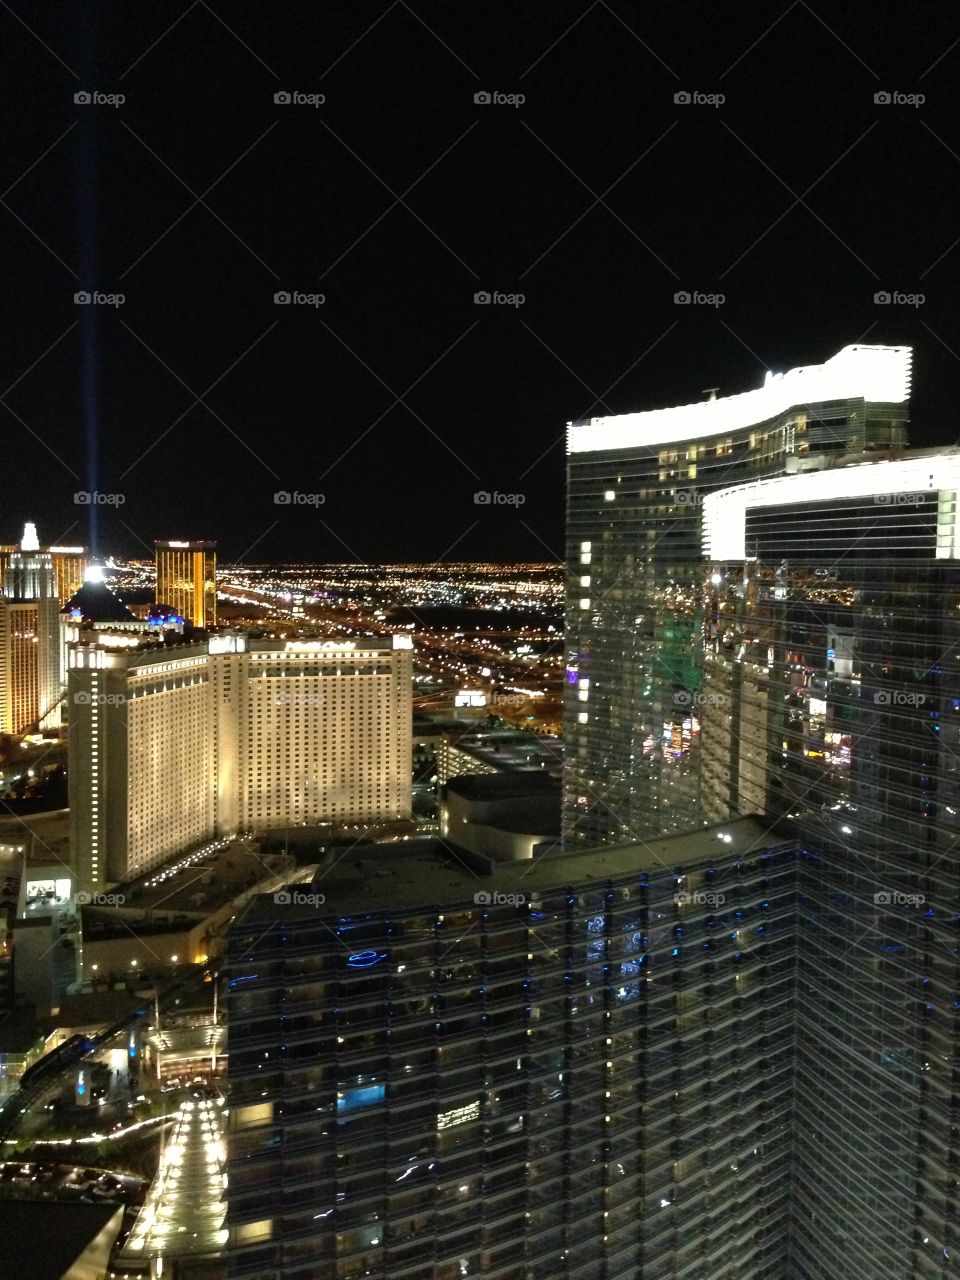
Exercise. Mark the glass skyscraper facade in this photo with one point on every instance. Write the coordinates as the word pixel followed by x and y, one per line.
pixel 728 1053
pixel 187 580
pixel 587 1073
pixel 832 693
pixel 634 617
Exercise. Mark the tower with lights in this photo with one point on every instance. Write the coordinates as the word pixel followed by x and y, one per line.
pixel 187 580
pixel 636 484
pixel 29 640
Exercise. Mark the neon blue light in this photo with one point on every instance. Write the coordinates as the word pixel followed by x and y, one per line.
pixel 368 1096
pixel 364 959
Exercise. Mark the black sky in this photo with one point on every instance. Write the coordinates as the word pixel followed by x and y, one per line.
pixel 600 197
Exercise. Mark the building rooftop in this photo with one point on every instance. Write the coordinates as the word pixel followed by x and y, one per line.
pixel 431 873
pixel 504 786
pixel 97 1008
pixel 923 473
pixel 45 837
pixel 198 881
pixel 19 1031
pixel 44 1241
pixel 875 374
pixel 512 750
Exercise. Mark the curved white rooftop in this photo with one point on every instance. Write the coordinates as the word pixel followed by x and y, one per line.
pixel 725 511
pixel 877 374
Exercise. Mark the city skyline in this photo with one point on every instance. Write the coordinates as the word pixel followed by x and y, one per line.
pixel 694 160
pixel 480 671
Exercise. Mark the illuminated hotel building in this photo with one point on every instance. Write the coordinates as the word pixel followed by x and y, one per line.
pixel 832 694
pixel 69 567
pixel 172 745
pixel 587 1075
pixel 187 580
pixel 634 613
pixel 29 640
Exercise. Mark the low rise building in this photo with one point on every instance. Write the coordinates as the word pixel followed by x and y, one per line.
pixel 502 815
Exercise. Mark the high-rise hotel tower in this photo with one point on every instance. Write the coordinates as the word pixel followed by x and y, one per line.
pixel 187 580
pixel 29 639
pixel 170 745
pixel 634 607
pixel 448 1068
pixel 832 694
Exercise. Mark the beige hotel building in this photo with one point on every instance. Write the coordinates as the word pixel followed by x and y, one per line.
pixel 172 746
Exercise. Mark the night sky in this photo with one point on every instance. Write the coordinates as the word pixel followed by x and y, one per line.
pixel 597 198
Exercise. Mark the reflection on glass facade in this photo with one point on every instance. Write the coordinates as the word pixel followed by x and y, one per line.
pixel 187 580
pixel 593 1081
pixel 832 694
pixel 634 620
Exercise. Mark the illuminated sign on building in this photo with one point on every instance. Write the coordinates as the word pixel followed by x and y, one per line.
pixel 302 646
pixel 470 698
pixel 460 1115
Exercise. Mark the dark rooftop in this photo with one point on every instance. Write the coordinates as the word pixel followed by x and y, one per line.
pixel 428 872
pixel 43 1241
pixel 19 1031
pixel 100 1007
pixel 503 786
